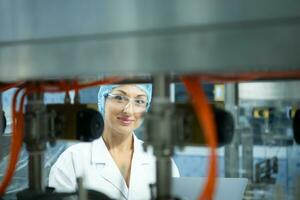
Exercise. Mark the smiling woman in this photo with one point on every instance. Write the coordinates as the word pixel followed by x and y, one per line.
pixel 125 106
pixel 114 164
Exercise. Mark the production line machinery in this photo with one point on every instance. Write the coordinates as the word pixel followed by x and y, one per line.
pixel 47 123
pixel 61 121
pixel 233 42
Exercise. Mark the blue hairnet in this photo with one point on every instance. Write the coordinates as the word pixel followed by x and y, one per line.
pixel 105 89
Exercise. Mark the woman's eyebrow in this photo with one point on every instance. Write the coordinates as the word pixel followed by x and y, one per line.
pixel 139 95
pixel 121 91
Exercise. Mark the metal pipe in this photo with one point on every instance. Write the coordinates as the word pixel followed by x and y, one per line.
pixel 163 174
pixel 82 192
pixel 1 118
pixel 35 139
pixel 36 171
pixel 232 149
pixel 163 144
pixel 247 153
pixel 161 86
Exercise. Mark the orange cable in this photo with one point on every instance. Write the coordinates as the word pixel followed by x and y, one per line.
pixel 6 86
pixel 76 87
pixel 63 85
pixel 15 146
pixel 205 115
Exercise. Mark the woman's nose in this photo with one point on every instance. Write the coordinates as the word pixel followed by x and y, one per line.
pixel 129 107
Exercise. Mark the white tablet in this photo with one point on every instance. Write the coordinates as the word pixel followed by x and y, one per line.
pixel 189 188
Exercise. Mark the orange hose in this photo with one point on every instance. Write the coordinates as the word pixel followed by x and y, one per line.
pixel 4 87
pixel 76 87
pixel 16 141
pixel 205 115
pixel 62 86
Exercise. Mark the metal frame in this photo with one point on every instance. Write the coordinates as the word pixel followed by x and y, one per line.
pixel 66 39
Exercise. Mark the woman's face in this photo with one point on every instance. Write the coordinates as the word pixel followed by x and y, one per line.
pixel 124 118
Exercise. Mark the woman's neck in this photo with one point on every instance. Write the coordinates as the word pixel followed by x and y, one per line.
pixel 117 141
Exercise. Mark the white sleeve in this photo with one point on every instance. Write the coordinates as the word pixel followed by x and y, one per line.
pixel 175 171
pixel 62 174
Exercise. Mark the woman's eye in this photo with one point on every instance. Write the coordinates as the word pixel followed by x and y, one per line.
pixel 119 98
pixel 140 101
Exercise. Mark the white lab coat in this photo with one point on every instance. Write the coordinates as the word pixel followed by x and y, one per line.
pixel 93 162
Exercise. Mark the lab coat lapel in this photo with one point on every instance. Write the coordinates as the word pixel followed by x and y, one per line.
pixel 140 157
pixel 140 172
pixel 110 172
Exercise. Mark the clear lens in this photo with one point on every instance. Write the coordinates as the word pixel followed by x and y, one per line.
pixel 139 105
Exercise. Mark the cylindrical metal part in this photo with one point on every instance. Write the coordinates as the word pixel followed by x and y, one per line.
pixel 232 149
pixel 35 138
pixel 82 192
pixel 162 110
pixel 161 86
pixel 231 96
pixel 1 117
pixel 36 171
pixel 163 172
pixel 161 132
pixel 247 153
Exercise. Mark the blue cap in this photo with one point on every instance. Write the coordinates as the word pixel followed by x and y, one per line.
pixel 106 89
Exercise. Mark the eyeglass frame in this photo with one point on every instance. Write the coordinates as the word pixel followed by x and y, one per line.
pixel 129 100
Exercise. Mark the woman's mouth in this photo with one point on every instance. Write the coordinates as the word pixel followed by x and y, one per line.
pixel 125 121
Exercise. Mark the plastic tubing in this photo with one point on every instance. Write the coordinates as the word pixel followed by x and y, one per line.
pixel 206 118
pixel 4 87
pixel 16 141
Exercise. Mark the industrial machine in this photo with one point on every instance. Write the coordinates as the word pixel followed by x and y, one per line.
pixel 251 48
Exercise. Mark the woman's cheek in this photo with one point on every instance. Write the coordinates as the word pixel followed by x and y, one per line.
pixel 138 123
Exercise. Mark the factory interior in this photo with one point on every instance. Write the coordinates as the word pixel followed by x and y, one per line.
pixel 225 95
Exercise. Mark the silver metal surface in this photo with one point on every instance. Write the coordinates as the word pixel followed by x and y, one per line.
pixel 164 148
pixel 36 175
pixel 35 138
pixel 55 39
pixel 163 177
pixel 247 152
pixel 82 192
pixel 1 118
pixel 231 156
pixel 160 134
pixel 271 90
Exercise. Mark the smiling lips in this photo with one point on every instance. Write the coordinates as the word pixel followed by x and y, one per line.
pixel 125 120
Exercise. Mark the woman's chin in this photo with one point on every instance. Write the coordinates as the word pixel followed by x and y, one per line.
pixel 124 129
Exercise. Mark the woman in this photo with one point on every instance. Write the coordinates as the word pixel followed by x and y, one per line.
pixel 114 164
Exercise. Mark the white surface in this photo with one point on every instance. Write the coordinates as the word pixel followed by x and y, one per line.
pixel 271 90
pixel 258 151
pixel 189 188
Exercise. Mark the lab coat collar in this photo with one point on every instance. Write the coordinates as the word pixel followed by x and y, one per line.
pixel 110 172
pixel 139 154
pixel 100 153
